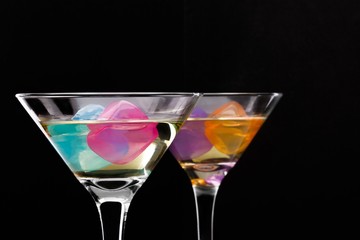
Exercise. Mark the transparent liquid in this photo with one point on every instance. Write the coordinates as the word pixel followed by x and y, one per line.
pixel 133 148
pixel 210 148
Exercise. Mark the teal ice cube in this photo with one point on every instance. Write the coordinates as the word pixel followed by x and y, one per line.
pixel 67 129
pixel 70 141
pixel 90 161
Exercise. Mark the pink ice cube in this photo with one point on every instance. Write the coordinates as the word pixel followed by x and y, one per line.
pixel 121 142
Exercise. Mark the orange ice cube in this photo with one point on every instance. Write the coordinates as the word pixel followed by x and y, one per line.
pixel 233 130
pixel 230 109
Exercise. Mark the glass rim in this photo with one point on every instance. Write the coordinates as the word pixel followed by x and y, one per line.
pixel 102 94
pixel 214 94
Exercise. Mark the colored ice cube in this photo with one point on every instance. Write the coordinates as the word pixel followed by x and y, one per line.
pixel 110 144
pixel 191 141
pixel 227 136
pixel 90 161
pixel 229 109
pixel 122 110
pixel 121 142
pixel 70 141
pixel 89 112
pixel 198 113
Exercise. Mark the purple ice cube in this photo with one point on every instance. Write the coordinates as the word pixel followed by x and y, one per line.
pixel 191 141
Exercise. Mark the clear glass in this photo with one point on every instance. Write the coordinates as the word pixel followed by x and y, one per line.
pixel 213 139
pixel 111 142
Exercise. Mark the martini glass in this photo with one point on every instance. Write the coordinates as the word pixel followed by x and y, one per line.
pixel 111 142
pixel 213 139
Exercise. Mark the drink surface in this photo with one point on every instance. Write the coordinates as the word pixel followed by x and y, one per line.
pixel 110 149
pixel 207 149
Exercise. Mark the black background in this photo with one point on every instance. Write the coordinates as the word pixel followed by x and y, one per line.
pixel 300 177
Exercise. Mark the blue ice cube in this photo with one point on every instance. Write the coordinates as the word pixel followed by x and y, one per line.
pixel 89 112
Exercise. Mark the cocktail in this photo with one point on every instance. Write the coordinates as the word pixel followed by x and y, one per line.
pixel 213 139
pixel 110 141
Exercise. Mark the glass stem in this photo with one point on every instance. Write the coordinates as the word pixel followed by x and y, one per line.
pixel 113 219
pixel 205 206
pixel 113 207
